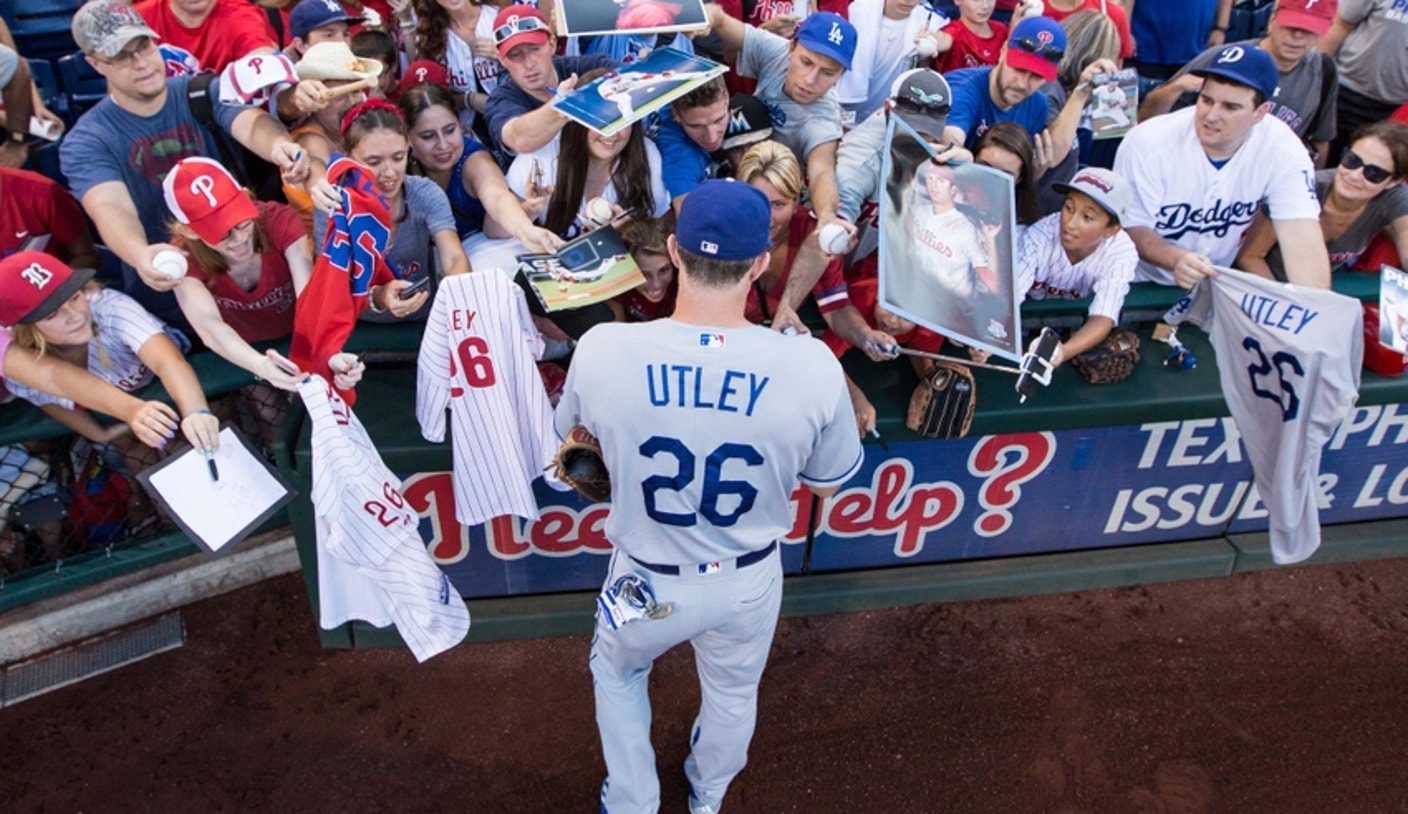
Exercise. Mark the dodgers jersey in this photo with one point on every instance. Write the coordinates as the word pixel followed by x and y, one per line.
pixel 478 356
pixel 372 562
pixel 1182 196
pixel 1289 359
pixel 706 432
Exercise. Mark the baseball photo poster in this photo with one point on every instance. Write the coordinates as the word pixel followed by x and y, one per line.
pixel 947 245
pixel 1114 103
pixel 1393 309
pixel 593 268
pixel 611 103
pixel 629 16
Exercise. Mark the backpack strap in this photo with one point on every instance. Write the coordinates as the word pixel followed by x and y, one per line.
pixel 202 107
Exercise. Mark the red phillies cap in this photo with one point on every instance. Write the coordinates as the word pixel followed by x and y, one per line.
pixel 202 194
pixel 33 285
pixel 1314 16
pixel 423 70
pixel 519 24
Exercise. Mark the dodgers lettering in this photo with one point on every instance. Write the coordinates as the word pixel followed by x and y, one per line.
pixel 1274 313
pixel 1177 220
pixel 696 387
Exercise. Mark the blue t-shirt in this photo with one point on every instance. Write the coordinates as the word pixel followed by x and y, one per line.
pixel 684 164
pixel 973 110
pixel 1172 33
pixel 469 212
pixel 508 101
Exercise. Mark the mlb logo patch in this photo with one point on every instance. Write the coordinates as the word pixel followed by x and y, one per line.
pixel 711 340
pixel 706 568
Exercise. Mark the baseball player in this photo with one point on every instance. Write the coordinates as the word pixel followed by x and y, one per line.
pixel 1200 175
pixel 1289 360
pixel 706 425
pixel 1079 251
pixel 1110 102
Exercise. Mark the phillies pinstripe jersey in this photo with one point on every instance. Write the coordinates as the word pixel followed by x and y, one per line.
pixel 479 357
pixel 1045 272
pixel 372 562
pixel 1289 361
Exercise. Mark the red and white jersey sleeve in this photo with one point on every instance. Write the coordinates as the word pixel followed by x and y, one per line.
pixel 478 357
pixel 372 562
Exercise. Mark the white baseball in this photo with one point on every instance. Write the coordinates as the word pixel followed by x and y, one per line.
pixel 833 238
pixel 170 264
pixel 599 210
pixel 926 47
pixel 1035 7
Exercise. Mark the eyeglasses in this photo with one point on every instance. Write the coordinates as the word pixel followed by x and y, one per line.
pixel 518 25
pixel 144 48
pixel 1050 53
pixel 1373 173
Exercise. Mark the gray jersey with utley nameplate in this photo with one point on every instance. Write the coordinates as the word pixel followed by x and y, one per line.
pixel 1288 357
pixel 706 432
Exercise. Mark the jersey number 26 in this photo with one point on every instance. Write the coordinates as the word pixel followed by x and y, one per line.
pixel 715 485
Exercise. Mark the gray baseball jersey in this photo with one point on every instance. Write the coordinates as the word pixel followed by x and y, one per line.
pixel 1289 360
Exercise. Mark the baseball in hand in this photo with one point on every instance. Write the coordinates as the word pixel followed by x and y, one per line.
pixel 926 47
pixel 599 210
pixel 833 238
pixel 170 264
pixel 1035 7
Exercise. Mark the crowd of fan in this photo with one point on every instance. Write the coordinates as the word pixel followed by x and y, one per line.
pixel 445 102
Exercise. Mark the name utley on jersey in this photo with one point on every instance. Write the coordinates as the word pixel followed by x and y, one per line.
pixel 706 432
pixel 1289 362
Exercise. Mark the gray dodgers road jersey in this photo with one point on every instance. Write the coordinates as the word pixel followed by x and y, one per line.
pixel 1289 361
pixel 705 432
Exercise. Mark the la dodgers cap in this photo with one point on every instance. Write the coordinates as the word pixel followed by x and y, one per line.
pixel 1103 187
pixel 1037 44
pixel 1314 16
pixel 1246 65
pixel 311 14
pixel 202 194
pixel 748 121
pixel 726 219
pixel 518 24
pixel 34 285
pixel 106 26
pixel 922 99
pixel 830 35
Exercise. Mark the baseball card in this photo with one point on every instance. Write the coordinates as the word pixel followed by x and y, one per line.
pixel 593 268
pixel 613 102
pixel 1393 309
pixel 590 17
pixel 947 245
pixel 1114 103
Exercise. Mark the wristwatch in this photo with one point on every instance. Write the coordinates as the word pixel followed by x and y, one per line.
pixel 18 138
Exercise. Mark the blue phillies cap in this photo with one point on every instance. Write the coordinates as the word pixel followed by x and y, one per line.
pixel 1245 65
pixel 726 219
pixel 311 14
pixel 1037 45
pixel 830 35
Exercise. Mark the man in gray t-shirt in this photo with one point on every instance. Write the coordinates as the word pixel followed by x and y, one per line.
pixel 1309 86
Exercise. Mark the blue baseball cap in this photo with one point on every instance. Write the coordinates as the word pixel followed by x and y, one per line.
pixel 830 35
pixel 726 219
pixel 1037 45
pixel 1245 65
pixel 311 14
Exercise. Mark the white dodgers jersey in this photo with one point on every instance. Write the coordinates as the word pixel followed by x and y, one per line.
pixel 1289 361
pixel 479 357
pixel 372 562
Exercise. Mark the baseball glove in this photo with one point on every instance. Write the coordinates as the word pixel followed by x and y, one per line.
pixel 578 464
pixel 1113 360
pixel 942 404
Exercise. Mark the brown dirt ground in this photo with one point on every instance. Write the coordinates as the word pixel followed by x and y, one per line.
pixel 1279 692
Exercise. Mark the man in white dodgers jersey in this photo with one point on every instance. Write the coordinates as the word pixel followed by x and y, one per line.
pixel 706 423
pixel 1201 173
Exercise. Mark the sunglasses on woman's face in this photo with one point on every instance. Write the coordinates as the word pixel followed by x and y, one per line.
pixel 1373 173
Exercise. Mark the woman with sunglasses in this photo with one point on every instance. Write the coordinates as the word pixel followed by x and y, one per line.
pixel 1361 198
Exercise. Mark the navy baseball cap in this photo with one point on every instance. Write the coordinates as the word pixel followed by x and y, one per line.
pixel 1245 65
pixel 726 219
pixel 311 14
pixel 1037 45
pixel 830 35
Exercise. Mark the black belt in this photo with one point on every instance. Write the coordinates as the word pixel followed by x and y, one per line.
pixel 742 562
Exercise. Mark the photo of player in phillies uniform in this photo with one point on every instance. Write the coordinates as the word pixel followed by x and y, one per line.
pixel 946 246
pixel 625 16
pixel 629 93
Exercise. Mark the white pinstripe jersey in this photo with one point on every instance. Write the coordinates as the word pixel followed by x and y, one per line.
pixel 1289 359
pixel 949 247
pixel 372 562
pixel 479 357
pixel 1045 272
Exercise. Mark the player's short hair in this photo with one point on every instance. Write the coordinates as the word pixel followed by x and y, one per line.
pixel 774 163
pixel 709 93
pixel 1394 136
pixel 1090 35
pixel 1258 98
pixel 713 272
